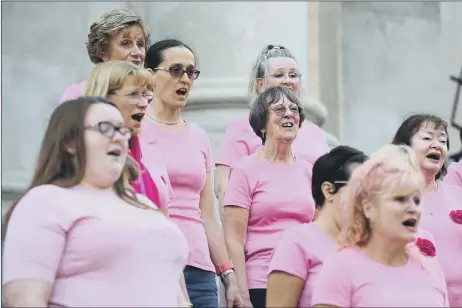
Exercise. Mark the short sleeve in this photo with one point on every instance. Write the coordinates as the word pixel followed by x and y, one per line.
pixel 209 162
pixel 35 238
pixel 232 148
pixel 454 175
pixel 290 256
pixel 72 92
pixel 238 189
pixel 333 286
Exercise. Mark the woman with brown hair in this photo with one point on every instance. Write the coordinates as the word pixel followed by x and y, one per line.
pixel 119 34
pixel 78 237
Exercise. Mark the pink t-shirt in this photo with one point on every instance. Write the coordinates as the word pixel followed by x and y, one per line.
pixel 74 91
pixel 96 249
pixel 188 157
pixel 301 252
pixel 436 219
pixel 240 140
pixel 454 175
pixel 349 278
pixel 277 197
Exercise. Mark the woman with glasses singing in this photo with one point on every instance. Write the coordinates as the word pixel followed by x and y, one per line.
pixel 274 66
pixel 378 264
pixel 268 192
pixel 119 34
pixel 126 85
pixel 187 153
pixel 79 237
pixel 299 256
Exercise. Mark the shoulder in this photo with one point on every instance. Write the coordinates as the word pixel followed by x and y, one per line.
pixel 246 162
pixel 73 91
pixel 197 131
pixel 298 233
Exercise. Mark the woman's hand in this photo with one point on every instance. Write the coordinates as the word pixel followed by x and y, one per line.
pixel 233 297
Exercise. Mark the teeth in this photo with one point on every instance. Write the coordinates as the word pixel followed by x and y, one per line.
pixel 287 125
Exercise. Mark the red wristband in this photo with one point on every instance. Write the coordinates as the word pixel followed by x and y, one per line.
pixel 220 269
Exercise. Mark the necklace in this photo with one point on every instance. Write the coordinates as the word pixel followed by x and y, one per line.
pixel 162 122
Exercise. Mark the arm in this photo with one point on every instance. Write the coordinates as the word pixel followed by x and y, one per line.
pixel 29 269
pixel 221 181
pixel 284 289
pixel 235 222
pixel 183 297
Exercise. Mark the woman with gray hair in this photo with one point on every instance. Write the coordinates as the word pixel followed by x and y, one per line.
pixel 119 34
pixel 268 192
pixel 274 66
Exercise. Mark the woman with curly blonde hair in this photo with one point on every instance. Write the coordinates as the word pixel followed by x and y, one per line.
pixel 119 34
pixel 378 263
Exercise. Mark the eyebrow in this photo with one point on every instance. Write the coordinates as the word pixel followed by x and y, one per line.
pixel 442 133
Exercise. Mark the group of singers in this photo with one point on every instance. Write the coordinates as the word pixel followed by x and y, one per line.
pixel 120 211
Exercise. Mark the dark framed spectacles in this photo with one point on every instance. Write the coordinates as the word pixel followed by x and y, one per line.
pixel 178 72
pixel 281 110
pixel 109 130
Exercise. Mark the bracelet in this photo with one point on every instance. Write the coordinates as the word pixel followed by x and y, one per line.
pixel 225 274
pixel 220 269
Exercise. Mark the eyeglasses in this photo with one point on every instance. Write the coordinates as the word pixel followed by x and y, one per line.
pixel 291 75
pixel 108 129
pixel 178 72
pixel 281 110
pixel 134 95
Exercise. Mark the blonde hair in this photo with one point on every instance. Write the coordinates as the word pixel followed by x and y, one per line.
pixel 108 77
pixel 391 168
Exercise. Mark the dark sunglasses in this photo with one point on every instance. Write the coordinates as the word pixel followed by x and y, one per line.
pixel 108 129
pixel 178 72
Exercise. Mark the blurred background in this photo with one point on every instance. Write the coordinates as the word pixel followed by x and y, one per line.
pixel 366 65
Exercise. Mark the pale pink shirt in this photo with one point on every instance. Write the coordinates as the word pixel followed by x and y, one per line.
pixel 188 157
pixel 436 219
pixel 350 278
pixel 454 175
pixel 278 197
pixel 301 252
pixel 96 249
pixel 240 140
pixel 74 91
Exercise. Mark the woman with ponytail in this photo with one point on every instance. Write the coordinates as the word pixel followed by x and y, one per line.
pixel 378 263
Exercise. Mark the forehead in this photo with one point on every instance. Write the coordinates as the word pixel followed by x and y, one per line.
pixel 102 112
pixel 432 128
pixel 281 63
pixel 283 101
pixel 178 55
pixel 133 32
pixel 134 83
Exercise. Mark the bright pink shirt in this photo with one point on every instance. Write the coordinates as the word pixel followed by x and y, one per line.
pixel 350 278
pixel 448 234
pixel 454 175
pixel 240 140
pixel 96 249
pixel 74 91
pixel 301 252
pixel 188 157
pixel 277 197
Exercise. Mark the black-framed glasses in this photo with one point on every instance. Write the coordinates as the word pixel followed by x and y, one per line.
pixel 178 72
pixel 108 129
pixel 281 110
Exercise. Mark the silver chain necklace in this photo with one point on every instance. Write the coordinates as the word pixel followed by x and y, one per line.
pixel 162 122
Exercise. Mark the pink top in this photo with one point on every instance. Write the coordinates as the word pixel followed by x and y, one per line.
pixel 160 194
pixel 188 157
pixel 96 250
pixel 349 278
pixel 277 197
pixel 436 218
pixel 240 140
pixel 454 175
pixel 301 252
pixel 74 91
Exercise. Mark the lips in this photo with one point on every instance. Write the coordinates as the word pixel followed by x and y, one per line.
pixel 288 125
pixel 138 116
pixel 410 224
pixel 434 156
pixel 182 91
pixel 114 152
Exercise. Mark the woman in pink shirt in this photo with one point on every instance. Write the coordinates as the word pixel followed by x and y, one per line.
pixel 185 149
pixel 379 264
pixel 299 256
pixel 126 85
pixel 454 175
pixel 428 137
pixel 268 191
pixel 78 237
pixel 119 34
pixel 274 66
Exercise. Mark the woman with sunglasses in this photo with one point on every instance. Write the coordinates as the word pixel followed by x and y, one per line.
pixel 269 191
pixel 187 154
pixel 79 237
pixel 298 258
pixel 274 66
